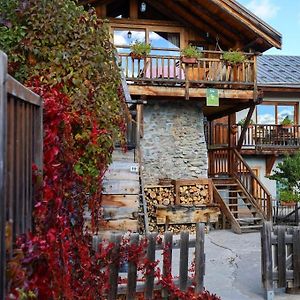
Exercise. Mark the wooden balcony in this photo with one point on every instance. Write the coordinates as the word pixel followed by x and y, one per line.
pixel 259 138
pixel 167 75
pixel 270 138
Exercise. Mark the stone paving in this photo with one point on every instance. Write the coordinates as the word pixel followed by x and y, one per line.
pixel 233 267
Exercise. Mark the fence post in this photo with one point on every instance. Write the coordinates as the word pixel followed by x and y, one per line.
pixel 114 267
pixel 199 257
pixel 267 265
pixel 3 103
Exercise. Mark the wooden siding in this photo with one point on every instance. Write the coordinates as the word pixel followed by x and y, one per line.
pixel 20 147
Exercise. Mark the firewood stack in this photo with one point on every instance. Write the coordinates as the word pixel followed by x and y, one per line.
pixel 158 196
pixel 196 195
pixel 179 206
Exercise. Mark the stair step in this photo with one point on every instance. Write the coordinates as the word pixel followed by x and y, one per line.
pixel 225 184
pixel 248 220
pixel 236 204
pixel 250 228
pixel 240 197
pixel 231 191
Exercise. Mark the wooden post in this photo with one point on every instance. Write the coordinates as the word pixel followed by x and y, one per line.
pixel 184 257
pixel 199 257
pixel 281 257
pixel 3 103
pixel 167 260
pixel 267 263
pixel 132 271
pixel 245 128
pixel 114 268
pixel 296 258
pixel 149 284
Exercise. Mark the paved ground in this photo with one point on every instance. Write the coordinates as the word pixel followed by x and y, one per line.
pixel 233 266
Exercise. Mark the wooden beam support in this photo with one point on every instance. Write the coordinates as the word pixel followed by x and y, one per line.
pixel 133 9
pixel 270 161
pixel 166 91
pixel 245 127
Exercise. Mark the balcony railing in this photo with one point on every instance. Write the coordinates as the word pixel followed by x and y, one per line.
pixel 211 70
pixel 258 136
pixel 271 136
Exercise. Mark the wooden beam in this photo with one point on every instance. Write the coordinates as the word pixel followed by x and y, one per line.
pixel 166 91
pixel 133 9
pixel 270 161
pixel 213 20
pixel 185 15
pixel 245 127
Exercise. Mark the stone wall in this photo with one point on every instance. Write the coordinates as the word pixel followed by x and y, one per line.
pixel 173 145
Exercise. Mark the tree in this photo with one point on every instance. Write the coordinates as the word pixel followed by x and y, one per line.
pixel 288 175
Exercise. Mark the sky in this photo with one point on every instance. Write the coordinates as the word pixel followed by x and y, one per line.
pixel 282 15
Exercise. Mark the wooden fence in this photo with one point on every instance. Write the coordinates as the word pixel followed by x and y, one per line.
pixel 20 147
pixel 147 287
pixel 280 249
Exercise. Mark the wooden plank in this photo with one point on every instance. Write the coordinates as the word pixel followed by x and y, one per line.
pixel 114 267
pixel 181 215
pixel 3 103
pixel 149 284
pixel 121 225
pixel 199 257
pixel 232 94
pixel 113 187
pixel 167 258
pixel 281 257
pixel 121 200
pixel 115 213
pixel 18 90
pixel 184 260
pixel 267 263
pixel 120 175
pixel 296 258
pixel 132 270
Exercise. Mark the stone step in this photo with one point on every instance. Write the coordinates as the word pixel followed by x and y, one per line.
pixel 249 220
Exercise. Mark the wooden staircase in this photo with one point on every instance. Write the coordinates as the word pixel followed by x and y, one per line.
pixel 236 205
pixel 243 199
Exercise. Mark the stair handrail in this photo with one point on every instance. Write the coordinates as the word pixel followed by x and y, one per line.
pixel 267 210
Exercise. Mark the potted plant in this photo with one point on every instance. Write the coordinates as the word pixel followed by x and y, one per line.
pixel 190 54
pixel 233 58
pixel 139 50
pixel 286 122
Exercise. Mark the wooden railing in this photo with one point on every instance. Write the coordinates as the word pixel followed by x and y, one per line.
pixel 258 136
pixel 21 140
pixel 230 162
pixel 209 70
pixel 242 171
pixel 276 136
pixel 133 283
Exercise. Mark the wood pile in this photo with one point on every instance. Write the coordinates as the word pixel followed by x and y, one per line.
pixel 179 206
pixel 158 196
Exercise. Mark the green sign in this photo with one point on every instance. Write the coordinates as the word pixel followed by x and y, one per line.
pixel 212 97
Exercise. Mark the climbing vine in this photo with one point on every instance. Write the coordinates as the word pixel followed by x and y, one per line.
pixel 64 54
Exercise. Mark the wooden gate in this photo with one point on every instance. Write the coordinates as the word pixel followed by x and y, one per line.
pixel 280 249
pixel 147 287
pixel 21 140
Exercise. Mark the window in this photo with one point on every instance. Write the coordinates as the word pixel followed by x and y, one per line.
pixel 274 113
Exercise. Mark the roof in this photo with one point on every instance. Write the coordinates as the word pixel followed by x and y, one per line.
pixel 226 20
pixel 278 71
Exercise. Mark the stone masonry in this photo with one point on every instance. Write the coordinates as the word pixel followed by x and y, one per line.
pixel 173 145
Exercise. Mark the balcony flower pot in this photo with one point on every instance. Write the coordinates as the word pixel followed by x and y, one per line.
pixel 287 203
pixel 190 55
pixel 286 123
pixel 139 50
